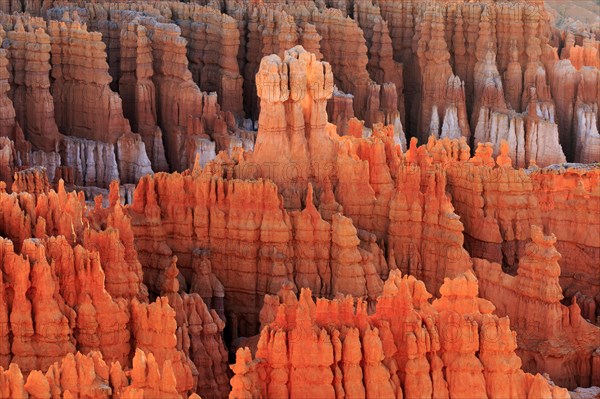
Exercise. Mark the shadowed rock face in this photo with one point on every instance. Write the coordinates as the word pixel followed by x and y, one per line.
pixel 365 198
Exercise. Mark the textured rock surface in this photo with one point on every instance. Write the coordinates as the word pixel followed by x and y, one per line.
pixel 139 93
pixel 86 284
pixel 296 166
pixel 551 336
pixel 498 206
pixel 213 45
pixel 292 141
pixel 398 351
pixel 7 161
pixel 250 253
pixel 404 55
pixel 93 163
pixel 154 328
pixel 33 181
pixel 30 57
pixel 10 131
pixel 436 74
pixel 90 376
pixel 199 334
pixel 84 104
pixel 179 100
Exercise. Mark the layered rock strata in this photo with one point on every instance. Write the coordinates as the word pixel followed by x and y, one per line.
pixel 498 206
pixel 551 336
pixel 383 355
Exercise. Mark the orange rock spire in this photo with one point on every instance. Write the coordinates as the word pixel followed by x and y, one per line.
pixel 397 351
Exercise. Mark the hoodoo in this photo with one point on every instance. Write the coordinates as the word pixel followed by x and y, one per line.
pixel 299 199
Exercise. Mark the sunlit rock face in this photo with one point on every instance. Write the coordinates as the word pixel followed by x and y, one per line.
pixel 368 198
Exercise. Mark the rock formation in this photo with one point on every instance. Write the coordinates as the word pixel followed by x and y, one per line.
pixel 551 336
pixel 397 351
pixel 154 328
pixel 33 181
pixel 436 76
pixel 213 44
pixel 205 283
pixel 84 104
pixel 304 173
pixel 199 335
pixel 93 163
pixel 288 134
pixel 249 253
pixel 498 230
pixel 90 376
pixel 84 272
pixel 340 111
pixel 179 100
pixel 381 66
pixel 587 140
pixel 455 37
pixel 139 93
pixel 30 55
pixel 9 126
pixel 7 160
